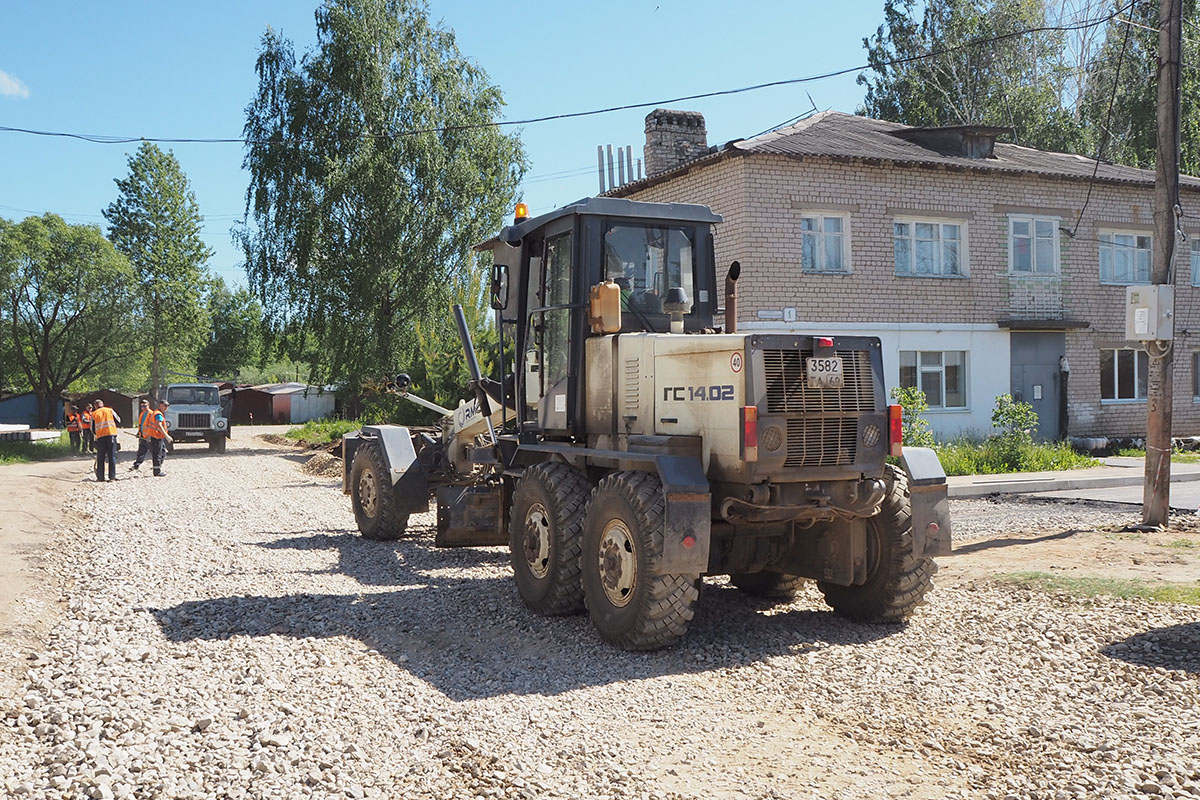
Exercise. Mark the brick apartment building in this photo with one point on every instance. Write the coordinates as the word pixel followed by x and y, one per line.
pixel 984 267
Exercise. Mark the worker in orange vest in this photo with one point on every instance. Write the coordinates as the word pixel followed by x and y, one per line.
pixel 73 429
pixel 105 422
pixel 85 430
pixel 152 435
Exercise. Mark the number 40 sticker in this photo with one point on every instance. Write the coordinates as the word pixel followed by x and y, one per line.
pixel 735 362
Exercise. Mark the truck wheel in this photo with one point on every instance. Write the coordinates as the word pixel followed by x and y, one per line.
pixel 896 581
pixel 545 537
pixel 768 584
pixel 217 444
pixel 372 497
pixel 631 603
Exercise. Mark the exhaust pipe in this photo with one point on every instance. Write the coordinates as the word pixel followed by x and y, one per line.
pixel 735 269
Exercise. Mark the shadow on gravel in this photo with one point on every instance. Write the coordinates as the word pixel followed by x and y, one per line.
pixel 989 544
pixel 1176 647
pixel 470 636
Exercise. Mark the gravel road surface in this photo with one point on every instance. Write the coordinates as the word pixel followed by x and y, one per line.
pixel 228 635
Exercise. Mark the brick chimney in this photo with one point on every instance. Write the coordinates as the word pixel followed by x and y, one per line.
pixel 673 138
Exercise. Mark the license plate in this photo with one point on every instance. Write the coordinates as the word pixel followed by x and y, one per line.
pixel 825 373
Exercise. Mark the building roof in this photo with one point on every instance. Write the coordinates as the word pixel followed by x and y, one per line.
pixel 840 136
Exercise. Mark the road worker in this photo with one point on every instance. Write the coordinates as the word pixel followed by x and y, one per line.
pixel 105 422
pixel 152 435
pixel 73 428
pixel 85 430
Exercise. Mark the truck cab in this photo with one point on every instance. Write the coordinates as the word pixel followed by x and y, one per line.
pixel 196 414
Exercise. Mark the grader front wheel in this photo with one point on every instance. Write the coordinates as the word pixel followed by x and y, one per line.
pixel 372 495
pixel 546 531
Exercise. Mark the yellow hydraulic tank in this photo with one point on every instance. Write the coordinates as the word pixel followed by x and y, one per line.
pixel 604 308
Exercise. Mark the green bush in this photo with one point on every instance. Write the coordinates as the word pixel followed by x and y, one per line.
pixel 24 452
pixel 994 455
pixel 323 430
pixel 915 430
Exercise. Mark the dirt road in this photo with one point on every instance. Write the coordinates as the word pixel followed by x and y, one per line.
pixel 225 633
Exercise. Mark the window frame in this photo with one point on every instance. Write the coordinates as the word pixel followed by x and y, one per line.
pixel 940 370
pixel 820 215
pixel 1112 232
pixel 1138 356
pixel 1196 376
pixel 1194 259
pixel 913 220
pixel 1033 220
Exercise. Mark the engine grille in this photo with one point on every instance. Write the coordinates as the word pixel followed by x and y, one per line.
pixel 194 421
pixel 788 392
pixel 829 442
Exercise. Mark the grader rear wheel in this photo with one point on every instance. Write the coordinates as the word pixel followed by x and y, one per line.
pixel 632 604
pixel 546 532
pixel 372 495
pixel 896 581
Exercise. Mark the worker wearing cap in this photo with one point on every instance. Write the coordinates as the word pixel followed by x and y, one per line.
pixel 144 417
pixel 152 435
pixel 73 429
pixel 105 422
pixel 85 429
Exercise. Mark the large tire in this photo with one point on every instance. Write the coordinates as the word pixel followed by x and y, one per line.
pixel 768 584
pixel 896 581
pixel 546 536
pixel 631 604
pixel 372 495
pixel 217 444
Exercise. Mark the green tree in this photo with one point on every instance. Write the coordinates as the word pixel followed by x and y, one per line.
pixel 69 303
pixel 156 222
pixel 914 428
pixel 234 339
pixel 375 165
pixel 1023 82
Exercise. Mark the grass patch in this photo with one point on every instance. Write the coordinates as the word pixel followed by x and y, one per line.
pixel 1188 593
pixel 1183 544
pixel 24 452
pixel 990 457
pixel 1188 457
pixel 323 430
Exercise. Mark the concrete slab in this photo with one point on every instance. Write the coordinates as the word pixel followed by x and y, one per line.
pixel 1185 495
pixel 1116 472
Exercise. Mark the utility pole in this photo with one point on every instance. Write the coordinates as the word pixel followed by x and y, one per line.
pixel 1156 497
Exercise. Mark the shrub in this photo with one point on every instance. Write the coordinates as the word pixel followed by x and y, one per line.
pixel 915 428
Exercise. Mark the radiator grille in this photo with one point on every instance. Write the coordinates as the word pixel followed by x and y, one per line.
pixel 829 442
pixel 788 393
pixel 194 421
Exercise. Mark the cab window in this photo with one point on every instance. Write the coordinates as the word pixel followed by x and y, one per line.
pixel 645 261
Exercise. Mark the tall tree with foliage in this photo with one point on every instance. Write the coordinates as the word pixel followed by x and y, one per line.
pixel 234 340
pixel 925 71
pixel 375 166
pixel 69 304
pixel 156 223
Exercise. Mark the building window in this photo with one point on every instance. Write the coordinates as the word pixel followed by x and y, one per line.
pixel 928 248
pixel 1033 245
pixel 1195 262
pixel 1196 375
pixel 1123 374
pixel 823 243
pixel 1125 257
pixel 941 375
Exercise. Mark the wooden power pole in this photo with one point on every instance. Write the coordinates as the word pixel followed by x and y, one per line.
pixel 1156 497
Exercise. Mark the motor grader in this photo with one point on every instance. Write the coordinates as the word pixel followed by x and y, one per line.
pixel 635 447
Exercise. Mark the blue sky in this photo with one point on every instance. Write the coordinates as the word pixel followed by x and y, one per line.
pixel 186 70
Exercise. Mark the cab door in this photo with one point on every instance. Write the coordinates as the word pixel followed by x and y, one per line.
pixel 548 343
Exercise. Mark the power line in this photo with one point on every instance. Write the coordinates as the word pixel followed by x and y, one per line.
pixel 108 139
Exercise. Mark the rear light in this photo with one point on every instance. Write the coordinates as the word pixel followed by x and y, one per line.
pixel 749 433
pixel 824 341
pixel 895 430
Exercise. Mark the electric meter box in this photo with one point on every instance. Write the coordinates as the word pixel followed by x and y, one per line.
pixel 1149 313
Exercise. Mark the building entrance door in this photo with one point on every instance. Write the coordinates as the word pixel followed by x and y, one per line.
pixel 1037 379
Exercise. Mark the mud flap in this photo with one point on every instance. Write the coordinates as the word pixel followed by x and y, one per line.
pixel 688 515
pixel 930 504
pixel 470 516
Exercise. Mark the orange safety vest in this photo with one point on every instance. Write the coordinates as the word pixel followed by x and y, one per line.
pixel 106 424
pixel 73 423
pixel 143 431
pixel 158 426
pixel 85 421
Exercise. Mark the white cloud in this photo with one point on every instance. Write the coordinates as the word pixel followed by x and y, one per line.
pixel 11 86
